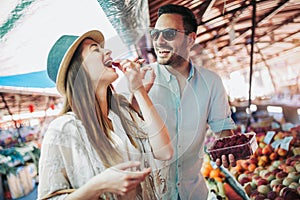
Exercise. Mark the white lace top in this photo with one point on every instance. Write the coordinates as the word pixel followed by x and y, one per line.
pixel 68 159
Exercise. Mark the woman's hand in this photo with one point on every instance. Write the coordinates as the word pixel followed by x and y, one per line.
pixel 135 74
pixel 119 179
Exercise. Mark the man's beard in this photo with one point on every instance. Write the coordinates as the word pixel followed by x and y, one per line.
pixel 174 61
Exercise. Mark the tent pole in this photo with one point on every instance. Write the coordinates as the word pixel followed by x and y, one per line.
pixel 10 113
pixel 253 2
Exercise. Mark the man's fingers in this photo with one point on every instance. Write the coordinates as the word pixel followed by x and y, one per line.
pixel 225 161
pixel 232 160
pixel 218 162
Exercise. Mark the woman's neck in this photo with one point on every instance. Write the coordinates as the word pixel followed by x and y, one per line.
pixel 101 94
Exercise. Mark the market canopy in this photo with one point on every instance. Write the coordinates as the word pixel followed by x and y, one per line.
pixel 29 28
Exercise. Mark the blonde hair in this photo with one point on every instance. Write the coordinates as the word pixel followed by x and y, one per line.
pixel 81 99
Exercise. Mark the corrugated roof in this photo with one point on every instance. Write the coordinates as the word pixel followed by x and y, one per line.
pixel 225 29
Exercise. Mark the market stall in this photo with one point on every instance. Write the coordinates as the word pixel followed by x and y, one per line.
pixel 253 45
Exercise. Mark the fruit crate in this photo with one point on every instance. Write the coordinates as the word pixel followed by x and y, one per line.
pixel 242 146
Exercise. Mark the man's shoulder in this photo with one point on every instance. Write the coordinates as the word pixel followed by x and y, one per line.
pixel 206 71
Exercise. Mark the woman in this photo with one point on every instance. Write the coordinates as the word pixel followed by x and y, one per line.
pixel 95 144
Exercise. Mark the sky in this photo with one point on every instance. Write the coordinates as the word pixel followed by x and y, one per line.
pixel 25 47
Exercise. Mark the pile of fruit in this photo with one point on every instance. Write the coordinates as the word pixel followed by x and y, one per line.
pixel 273 171
pixel 218 182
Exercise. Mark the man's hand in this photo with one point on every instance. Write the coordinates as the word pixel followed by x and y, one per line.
pixel 226 161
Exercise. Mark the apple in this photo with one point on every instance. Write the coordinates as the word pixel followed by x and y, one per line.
pixel 263 172
pixel 289 169
pixel 255 179
pixel 260 136
pixel 258 152
pixel 282 152
pixel 244 180
pixel 263 189
pixel 281 174
pixel 297 167
pixel 254 194
pixel 273 156
pixel 270 176
pixel 241 176
pixel 277 188
pixel 288 193
pixel 253 160
pixel 262 144
pixel 294 185
pixel 294 175
pixel 276 163
pixel 275 182
pixel 271 195
pixel 287 181
pixel 258 169
pixel 268 149
pixel 262 182
pixel 278 136
pixel 275 171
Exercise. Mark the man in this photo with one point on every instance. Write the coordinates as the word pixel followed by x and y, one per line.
pixel 189 98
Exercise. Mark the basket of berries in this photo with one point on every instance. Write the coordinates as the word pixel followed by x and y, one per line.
pixel 242 146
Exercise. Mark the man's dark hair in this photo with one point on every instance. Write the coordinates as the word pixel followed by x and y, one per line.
pixel 189 19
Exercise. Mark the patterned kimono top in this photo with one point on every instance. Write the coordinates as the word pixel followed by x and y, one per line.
pixel 68 159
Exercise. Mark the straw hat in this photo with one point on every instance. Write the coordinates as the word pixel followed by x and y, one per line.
pixel 61 54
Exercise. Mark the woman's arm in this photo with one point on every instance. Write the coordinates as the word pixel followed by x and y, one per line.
pixel 158 133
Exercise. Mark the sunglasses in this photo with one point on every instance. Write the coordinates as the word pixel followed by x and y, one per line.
pixel 168 34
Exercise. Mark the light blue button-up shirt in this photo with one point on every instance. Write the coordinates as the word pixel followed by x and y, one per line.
pixel 203 102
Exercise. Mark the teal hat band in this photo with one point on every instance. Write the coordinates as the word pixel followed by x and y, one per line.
pixel 57 53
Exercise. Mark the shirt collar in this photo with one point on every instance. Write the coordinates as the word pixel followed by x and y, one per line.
pixel 168 75
pixel 192 71
pixel 164 72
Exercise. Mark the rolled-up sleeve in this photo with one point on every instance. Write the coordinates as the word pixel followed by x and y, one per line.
pixel 219 117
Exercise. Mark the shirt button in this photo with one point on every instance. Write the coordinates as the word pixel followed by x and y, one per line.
pixel 179 165
pixel 178 184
